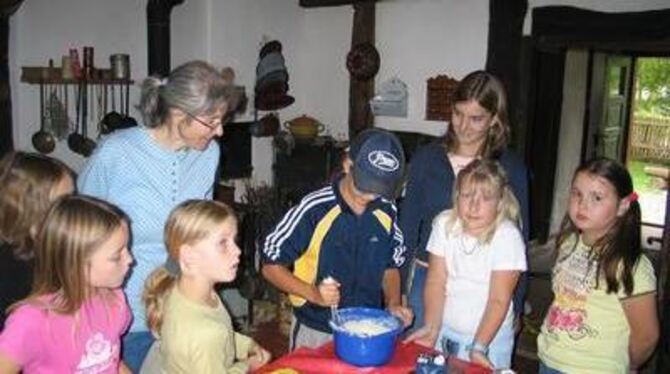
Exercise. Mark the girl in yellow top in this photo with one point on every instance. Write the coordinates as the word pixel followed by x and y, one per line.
pixel 603 317
pixel 194 330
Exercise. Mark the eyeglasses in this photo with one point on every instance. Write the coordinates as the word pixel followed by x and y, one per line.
pixel 210 126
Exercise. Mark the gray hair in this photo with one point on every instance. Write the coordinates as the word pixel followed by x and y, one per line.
pixel 195 87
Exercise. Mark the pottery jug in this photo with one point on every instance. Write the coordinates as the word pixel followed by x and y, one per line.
pixel 304 127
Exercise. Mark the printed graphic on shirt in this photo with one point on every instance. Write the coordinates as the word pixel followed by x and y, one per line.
pixel 99 356
pixel 574 280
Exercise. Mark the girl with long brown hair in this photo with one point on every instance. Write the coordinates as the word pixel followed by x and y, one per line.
pixel 29 184
pixel 73 319
pixel 603 316
pixel 478 129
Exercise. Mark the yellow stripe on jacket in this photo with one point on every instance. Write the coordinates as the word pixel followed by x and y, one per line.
pixel 384 219
pixel 308 264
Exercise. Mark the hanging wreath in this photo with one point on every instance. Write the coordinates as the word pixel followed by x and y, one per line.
pixel 363 61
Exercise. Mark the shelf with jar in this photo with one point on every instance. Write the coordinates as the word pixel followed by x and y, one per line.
pixel 75 102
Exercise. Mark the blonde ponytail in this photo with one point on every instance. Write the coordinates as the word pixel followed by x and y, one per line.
pixel 156 288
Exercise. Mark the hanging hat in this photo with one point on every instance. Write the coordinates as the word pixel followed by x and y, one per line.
pixel 272 79
pixel 271 63
pixel 271 46
pixel 273 96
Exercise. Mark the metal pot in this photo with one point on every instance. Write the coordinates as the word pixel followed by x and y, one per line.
pixel 266 126
pixel 304 127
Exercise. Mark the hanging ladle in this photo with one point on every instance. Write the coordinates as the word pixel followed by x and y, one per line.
pixel 74 140
pixel 112 120
pixel 43 141
pixel 88 144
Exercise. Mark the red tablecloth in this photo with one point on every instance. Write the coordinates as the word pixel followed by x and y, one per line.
pixel 322 360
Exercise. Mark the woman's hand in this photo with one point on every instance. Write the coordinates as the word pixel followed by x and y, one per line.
pixel 426 336
pixel 480 359
pixel 257 357
pixel 405 314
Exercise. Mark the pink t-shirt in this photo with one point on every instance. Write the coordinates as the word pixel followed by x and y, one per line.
pixel 85 343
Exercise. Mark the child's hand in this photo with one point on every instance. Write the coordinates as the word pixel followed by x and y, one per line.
pixel 405 314
pixel 480 359
pixel 328 292
pixel 426 336
pixel 257 357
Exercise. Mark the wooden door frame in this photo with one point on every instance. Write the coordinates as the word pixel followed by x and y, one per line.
pixel 595 99
pixel 554 30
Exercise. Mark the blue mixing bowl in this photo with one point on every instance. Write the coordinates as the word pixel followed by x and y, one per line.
pixel 362 350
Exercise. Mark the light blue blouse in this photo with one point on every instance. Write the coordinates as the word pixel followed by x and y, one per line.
pixel 129 169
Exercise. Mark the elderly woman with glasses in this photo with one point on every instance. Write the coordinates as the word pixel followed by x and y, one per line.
pixel 150 169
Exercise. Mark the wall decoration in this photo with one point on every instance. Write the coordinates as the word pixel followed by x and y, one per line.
pixel 363 61
pixel 439 96
pixel 391 99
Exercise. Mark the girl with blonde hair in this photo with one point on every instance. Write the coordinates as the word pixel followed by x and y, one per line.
pixel 73 319
pixel 193 329
pixel 29 184
pixel 477 253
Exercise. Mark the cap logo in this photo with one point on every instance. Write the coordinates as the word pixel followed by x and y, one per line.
pixel 384 161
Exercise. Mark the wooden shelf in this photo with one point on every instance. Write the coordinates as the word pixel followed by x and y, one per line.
pixel 52 75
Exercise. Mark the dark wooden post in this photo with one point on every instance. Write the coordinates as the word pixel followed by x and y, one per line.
pixel 6 139
pixel 504 51
pixel 360 92
pixel 158 35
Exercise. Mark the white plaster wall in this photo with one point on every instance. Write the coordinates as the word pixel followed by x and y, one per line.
pixel 320 81
pixel 419 39
pixel 231 33
pixel 45 29
pixel 190 25
pixel 239 29
pixel 571 131
pixel 412 36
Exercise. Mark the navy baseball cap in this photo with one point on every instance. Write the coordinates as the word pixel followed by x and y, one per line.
pixel 378 162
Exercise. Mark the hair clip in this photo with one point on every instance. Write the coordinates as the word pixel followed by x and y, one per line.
pixel 172 267
pixel 632 197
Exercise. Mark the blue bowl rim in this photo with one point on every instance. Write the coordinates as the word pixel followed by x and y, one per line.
pixel 385 313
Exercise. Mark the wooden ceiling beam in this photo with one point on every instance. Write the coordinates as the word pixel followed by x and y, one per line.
pixel 326 3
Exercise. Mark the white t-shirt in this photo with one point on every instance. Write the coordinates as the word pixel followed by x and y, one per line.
pixel 469 266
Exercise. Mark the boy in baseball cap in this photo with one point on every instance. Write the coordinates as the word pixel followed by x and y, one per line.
pixel 378 162
pixel 342 242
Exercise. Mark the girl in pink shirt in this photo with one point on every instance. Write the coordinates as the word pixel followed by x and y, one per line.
pixel 73 319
